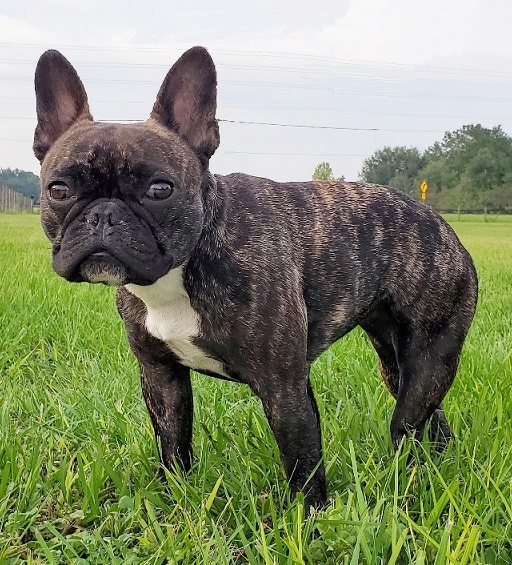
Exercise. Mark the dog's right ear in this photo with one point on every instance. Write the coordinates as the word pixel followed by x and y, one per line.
pixel 61 100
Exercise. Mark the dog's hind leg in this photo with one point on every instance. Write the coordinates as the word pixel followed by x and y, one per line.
pixel 439 430
pixel 388 364
pixel 382 339
pixel 428 364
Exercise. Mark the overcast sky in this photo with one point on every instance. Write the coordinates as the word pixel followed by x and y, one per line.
pixel 392 72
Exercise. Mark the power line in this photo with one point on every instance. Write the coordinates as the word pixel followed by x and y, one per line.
pixel 323 88
pixel 294 154
pixel 273 54
pixel 272 124
pixel 227 152
pixel 288 108
pixel 306 126
pixel 323 71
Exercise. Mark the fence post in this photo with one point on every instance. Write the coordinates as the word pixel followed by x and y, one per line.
pixel 12 201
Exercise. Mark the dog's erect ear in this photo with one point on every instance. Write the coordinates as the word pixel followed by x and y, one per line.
pixel 60 100
pixel 187 102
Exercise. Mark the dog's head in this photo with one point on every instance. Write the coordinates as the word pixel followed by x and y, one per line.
pixel 122 203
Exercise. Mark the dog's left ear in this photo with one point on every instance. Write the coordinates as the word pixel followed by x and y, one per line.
pixel 187 101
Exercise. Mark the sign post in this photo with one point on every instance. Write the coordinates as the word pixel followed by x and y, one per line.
pixel 424 188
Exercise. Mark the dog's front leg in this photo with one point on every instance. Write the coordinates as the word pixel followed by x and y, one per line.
pixel 165 383
pixel 167 391
pixel 293 416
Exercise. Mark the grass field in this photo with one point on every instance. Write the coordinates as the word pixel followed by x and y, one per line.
pixel 79 471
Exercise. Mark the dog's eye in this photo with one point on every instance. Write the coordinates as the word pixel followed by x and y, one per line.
pixel 59 191
pixel 160 190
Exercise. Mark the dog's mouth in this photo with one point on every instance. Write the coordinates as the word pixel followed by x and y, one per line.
pixel 108 243
pixel 110 267
pixel 102 267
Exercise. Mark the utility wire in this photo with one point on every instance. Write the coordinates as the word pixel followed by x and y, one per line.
pixel 289 109
pixel 327 71
pixel 324 88
pixel 272 124
pixel 306 126
pixel 293 153
pixel 272 54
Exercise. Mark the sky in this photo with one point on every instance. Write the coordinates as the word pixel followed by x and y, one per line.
pixel 342 78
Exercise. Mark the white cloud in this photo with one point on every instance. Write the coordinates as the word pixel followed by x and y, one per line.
pixel 402 32
pixel 356 63
pixel 17 31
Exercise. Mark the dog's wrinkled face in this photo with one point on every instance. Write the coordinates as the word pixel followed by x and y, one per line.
pixel 118 210
pixel 122 203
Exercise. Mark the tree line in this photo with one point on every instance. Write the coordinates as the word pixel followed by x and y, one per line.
pixel 24 182
pixel 469 170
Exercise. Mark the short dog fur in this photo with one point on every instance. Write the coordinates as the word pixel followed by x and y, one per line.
pixel 241 277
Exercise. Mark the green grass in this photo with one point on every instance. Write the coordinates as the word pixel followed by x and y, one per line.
pixel 79 471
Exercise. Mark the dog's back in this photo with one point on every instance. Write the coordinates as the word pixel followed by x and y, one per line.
pixel 353 249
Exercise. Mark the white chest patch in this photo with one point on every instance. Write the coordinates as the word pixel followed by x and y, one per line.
pixel 172 319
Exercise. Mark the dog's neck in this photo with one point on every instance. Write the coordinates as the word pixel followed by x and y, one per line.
pixel 214 201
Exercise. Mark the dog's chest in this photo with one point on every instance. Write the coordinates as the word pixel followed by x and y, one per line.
pixel 171 318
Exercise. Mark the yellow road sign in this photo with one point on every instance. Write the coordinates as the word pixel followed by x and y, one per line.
pixel 424 188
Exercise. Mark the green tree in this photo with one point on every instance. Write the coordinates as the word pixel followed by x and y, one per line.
pixel 464 143
pixel 438 175
pixel 470 168
pixel 323 171
pixel 394 166
pixel 21 181
pixel 502 198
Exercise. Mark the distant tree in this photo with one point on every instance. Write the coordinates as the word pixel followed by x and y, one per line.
pixel 465 142
pixel 501 198
pixel 471 168
pixel 438 175
pixel 323 171
pixel 25 182
pixel 394 166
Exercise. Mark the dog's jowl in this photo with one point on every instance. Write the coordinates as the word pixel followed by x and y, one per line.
pixel 241 277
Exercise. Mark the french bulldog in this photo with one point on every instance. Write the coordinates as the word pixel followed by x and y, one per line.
pixel 243 278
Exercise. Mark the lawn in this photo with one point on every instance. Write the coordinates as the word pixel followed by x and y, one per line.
pixel 79 472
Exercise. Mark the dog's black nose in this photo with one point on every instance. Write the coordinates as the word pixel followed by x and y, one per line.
pixel 102 217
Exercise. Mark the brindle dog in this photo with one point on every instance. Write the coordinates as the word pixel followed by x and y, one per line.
pixel 241 277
